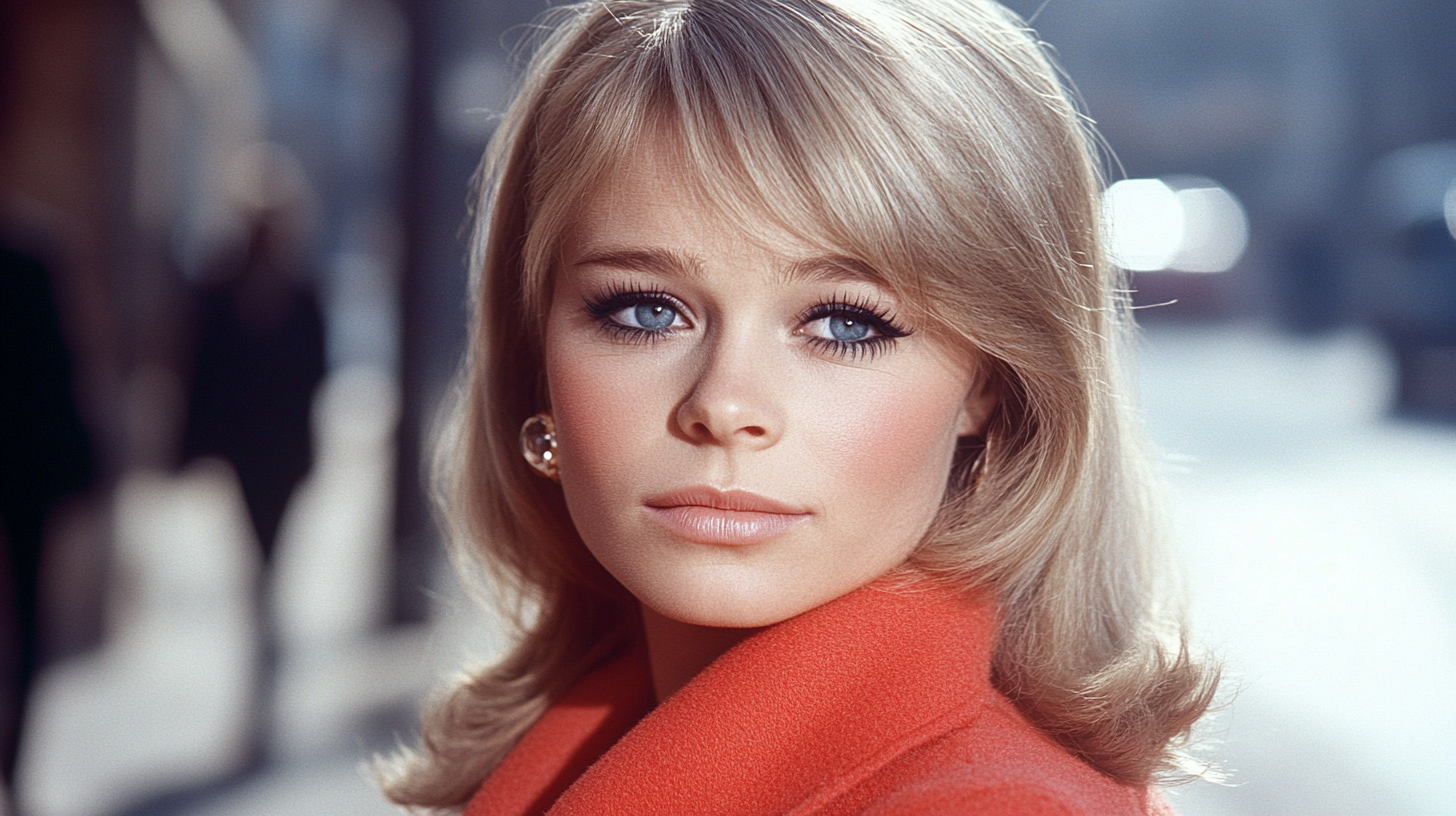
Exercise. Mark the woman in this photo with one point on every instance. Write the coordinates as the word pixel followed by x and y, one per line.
pixel 803 307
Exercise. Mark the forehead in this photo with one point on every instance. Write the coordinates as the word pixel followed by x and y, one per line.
pixel 653 212
pixel 621 179
pixel 655 193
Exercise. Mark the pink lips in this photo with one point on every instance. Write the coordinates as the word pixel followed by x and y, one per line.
pixel 707 515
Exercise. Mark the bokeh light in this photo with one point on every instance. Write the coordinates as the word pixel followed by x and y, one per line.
pixel 1183 223
pixel 1144 224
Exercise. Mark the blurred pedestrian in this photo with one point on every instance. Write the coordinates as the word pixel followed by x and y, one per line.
pixel 45 455
pixel 259 358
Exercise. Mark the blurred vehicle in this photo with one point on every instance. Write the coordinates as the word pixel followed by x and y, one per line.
pixel 1411 291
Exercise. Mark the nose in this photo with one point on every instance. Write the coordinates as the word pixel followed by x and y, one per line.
pixel 733 402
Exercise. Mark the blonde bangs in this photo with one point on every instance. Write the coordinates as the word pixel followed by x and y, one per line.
pixel 817 125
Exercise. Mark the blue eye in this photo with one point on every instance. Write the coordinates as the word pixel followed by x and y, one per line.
pixel 653 316
pixel 851 327
pixel 637 315
pixel 847 329
pixel 843 326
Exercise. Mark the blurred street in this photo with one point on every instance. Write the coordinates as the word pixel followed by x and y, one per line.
pixel 150 723
pixel 1319 538
pixel 214 203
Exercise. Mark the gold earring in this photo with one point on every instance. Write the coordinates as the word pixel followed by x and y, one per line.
pixel 538 445
pixel 978 467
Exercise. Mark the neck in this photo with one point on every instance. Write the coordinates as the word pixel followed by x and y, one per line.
pixel 677 651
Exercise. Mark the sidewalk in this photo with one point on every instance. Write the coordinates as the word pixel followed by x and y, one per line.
pixel 1319 537
pixel 163 706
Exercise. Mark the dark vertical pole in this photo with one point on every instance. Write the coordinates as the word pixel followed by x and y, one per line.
pixel 447 39
pixel 414 539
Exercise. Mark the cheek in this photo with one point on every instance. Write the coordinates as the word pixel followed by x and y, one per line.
pixel 606 421
pixel 892 442
pixel 598 414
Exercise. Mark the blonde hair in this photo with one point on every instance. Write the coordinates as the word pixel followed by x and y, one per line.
pixel 930 142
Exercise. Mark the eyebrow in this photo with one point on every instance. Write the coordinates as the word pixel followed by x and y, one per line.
pixel 663 261
pixel 648 259
pixel 830 268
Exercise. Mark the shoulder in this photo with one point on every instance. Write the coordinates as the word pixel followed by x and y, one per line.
pixel 995 762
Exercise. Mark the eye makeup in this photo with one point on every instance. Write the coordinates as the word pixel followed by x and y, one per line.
pixel 859 326
pixel 616 299
pixel 855 326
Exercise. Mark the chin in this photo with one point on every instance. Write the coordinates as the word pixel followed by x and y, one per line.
pixel 738 601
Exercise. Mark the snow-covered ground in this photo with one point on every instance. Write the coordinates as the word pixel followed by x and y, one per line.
pixel 1318 536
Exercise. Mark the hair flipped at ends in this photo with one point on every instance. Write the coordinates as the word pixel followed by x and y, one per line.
pixel 929 143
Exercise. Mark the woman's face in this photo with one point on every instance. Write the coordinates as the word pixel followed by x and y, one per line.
pixel 746 430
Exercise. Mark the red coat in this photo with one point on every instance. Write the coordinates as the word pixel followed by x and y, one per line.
pixel 879 703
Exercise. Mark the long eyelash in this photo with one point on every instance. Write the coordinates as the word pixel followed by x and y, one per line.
pixel 859 307
pixel 616 297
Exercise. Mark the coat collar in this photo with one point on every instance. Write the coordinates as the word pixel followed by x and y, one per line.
pixel 760 730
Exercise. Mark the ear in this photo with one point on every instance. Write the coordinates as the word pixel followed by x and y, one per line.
pixel 980 403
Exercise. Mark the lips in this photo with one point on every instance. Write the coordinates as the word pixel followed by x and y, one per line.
pixel 707 515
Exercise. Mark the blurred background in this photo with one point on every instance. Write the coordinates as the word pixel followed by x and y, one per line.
pixel 234 294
